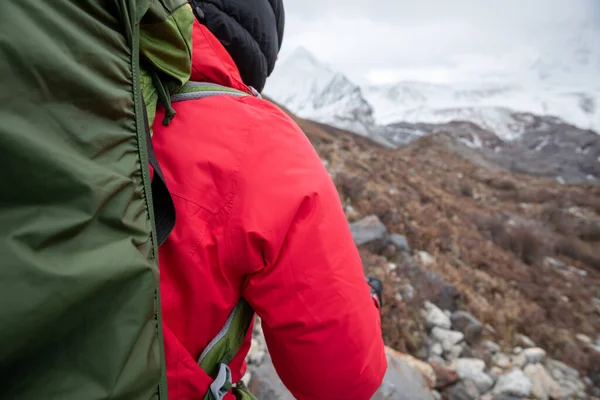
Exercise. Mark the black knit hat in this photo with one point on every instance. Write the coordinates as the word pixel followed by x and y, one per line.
pixel 250 30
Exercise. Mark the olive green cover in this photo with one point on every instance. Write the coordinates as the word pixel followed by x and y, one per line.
pixel 79 300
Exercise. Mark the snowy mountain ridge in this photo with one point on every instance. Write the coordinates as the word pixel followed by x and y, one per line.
pixel 313 90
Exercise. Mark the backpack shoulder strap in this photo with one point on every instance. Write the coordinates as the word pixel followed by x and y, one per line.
pixel 220 351
pixel 200 90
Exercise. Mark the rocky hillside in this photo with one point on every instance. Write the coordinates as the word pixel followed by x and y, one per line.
pixel 546 147
pixel 518 254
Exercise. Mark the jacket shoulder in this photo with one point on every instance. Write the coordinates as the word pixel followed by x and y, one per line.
pixel 213 142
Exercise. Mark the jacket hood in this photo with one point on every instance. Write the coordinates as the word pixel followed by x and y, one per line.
pixel 250 30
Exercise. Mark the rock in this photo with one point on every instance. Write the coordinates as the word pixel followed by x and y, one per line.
pixel 436 359
pixel 519 360
pixel 257 351
pixel 503 397
pixel 565 371
pixel 454 352
pixel 495 372
pixel 436 395
pixel 351 213
pixel 584 339
pixel 436 349
pixel 464 322
pixel 425 258
pixel 425 369
pixel 446 337
pixel 444 376
pixel 265 383
pixel 556 264
pixel 518 350
pixel 534 355
pixel 408 291
pixel 568 378
pixel 401 381
pixel 467 352
pixel 491 347
pixel 515 383
pixel 524 341
pixel 246 378
pixel 501 360
pixel 400 242
pixel 473 369
pixel 449 296
pixel 370 233
pixel 436 317
pixel 544 386
pixel 464 390
pixel 490 329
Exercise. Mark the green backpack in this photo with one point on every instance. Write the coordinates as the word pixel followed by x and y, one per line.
pixel 80 217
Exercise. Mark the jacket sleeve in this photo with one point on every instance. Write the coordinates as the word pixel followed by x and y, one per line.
pixel 304 275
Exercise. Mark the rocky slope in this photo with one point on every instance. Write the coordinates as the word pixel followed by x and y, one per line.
pixel 520 254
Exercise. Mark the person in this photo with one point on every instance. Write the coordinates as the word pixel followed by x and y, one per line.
pixel 258 218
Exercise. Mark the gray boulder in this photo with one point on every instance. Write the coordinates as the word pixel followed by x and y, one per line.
pixel 464 322
pixel 524 341
pixel 400 242
pixel 544 386
pixel 473 369
pixel 491 347
pixel 446 337
pixel 464 390
pixel 568 378
pixel 436 317
pixel 402 382
pixel 501 360
pixel 515 383
pixel 534 355
pixel 455 351
pixel 265 383
pixel 449 296
pixel 370 233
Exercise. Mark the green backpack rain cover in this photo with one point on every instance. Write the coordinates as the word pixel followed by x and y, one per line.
pixel 80 217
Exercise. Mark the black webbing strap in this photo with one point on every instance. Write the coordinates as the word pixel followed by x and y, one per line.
pixel 164 209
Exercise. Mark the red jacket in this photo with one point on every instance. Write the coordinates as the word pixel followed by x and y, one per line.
pixel 259 217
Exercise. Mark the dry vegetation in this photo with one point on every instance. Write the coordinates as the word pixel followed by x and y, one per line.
pixel 490 232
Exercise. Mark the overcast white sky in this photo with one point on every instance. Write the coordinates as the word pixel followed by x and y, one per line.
pixel 382 41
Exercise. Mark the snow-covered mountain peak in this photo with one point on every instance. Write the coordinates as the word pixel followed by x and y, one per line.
pixel 312 90
pixel 302 57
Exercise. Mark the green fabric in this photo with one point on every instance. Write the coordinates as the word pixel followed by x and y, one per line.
pixel 241 392
pixel 166 52
pixel 79 301
pixel 208 88
pixel 227 347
